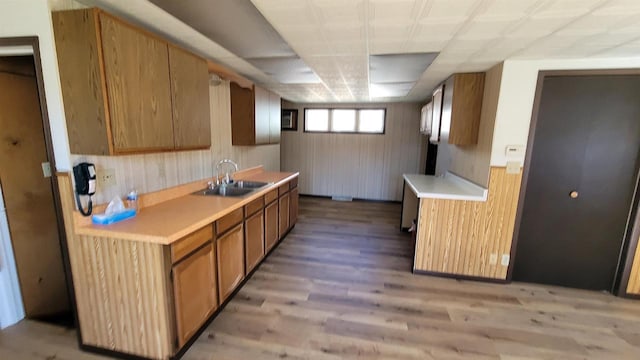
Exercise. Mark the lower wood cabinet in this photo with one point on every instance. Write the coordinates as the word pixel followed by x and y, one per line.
pixel 254 239
pixel 293 206
pixel 195 291
pixel 283 220
pixel 271 225
pixel 230 251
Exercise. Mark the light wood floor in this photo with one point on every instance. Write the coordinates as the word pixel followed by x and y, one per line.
pixel 340 286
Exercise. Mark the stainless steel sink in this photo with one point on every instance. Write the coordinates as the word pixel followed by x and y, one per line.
pixel 228 190
pixel 241 184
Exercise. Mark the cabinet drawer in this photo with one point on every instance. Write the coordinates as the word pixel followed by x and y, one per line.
pixel 271 196
pixel 228 221
pixel 253 207
pixel 293 183
pixel 283 189
pixel 189 243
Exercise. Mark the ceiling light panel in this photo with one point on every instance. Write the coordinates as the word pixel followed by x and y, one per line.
pixel 397 68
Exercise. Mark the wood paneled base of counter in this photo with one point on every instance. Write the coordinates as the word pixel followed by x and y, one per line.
pixel 459 237
pixel 633 287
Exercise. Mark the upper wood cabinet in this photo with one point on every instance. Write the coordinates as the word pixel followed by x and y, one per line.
pixel 461 107
pixel 127 91
pixel 190 100
pixel 426 118
pixel 255 116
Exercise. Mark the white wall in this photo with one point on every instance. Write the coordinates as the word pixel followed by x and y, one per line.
pixel 517 92
pixel 33 18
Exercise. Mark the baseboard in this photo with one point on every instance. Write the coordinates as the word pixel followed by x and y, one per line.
pixel 462 277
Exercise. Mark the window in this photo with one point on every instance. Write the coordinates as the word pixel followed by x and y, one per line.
pixel 352 121
pixel 343 120
pixel 316 120
pixel 371 121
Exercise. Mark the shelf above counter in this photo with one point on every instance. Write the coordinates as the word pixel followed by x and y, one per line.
pixel 448 186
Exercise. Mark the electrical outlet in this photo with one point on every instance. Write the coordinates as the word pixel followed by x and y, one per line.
pixel 493 259
pixel 106 177
pixel 505 260
pixel 513 167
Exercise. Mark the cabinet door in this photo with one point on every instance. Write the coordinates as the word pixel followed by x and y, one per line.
pixel 271 225
pixel 262 116
pixel 426 117
pixel 137 75
pixel 242 115
pixel 194 286
pixel 437 114
pixel 293 207
pixel 230 249
pixel 190 100
pixel 283 222
pixel 254 239
pixel 275 118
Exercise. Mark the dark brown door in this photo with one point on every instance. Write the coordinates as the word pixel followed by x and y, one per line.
pixel 582 175
pixel 28 194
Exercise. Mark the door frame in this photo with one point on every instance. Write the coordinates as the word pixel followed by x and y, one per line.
pixel 632 231
pixel 34 43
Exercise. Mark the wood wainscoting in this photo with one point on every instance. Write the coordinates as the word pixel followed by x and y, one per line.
pixel 458 237
pixel 633 287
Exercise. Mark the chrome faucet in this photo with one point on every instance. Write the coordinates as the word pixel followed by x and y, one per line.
pixel 227 178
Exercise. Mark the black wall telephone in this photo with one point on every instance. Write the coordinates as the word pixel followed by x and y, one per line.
pixel 84 175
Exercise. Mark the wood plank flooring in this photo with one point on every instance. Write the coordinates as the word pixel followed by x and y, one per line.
pixel 340 287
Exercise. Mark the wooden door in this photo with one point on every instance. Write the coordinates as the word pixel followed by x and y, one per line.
pixel 254 239
pixel 28 195
pixel 190 100
pixel 195 291
pixel 293 207
pixel 230 251
pixel 271 225
pixel 262 116
pixel 587 140
pixel 275 118
pixel 283 218
pixel 137 75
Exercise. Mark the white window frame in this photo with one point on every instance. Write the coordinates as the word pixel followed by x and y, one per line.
pixel 357 124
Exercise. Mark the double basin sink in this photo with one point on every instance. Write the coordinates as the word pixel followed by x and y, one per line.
pixel 238 188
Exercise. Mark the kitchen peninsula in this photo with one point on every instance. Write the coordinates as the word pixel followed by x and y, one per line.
pixel 148 285
pixel 463 230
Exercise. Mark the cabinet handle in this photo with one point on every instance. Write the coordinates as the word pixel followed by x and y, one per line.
pixel 574 194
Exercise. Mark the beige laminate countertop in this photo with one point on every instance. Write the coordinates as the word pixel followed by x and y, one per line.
pixel 171 220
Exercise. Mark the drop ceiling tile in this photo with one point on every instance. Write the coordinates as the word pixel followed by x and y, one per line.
pixel 448 9
pixel 479 30
pixel 341 12
pixel 566 8
pixel 391 11
pixel 425 46
pixel 501 10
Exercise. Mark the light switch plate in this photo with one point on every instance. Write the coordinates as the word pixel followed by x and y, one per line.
pixel 505 260
pixel 513 167
pixel 106 177
pixel 46 169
